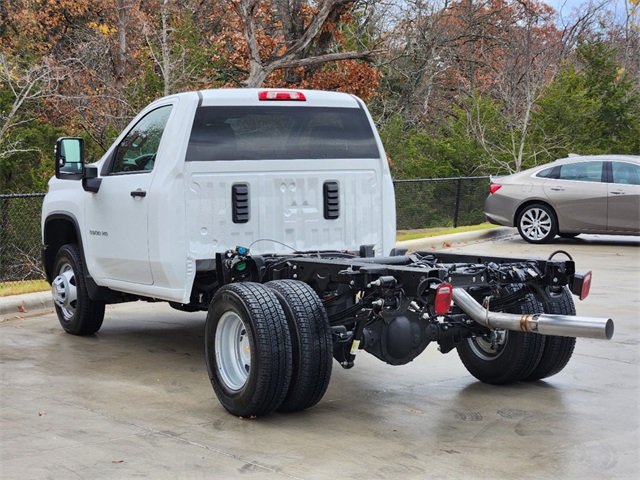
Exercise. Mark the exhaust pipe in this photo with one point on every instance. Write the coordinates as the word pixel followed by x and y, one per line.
pixel 559 325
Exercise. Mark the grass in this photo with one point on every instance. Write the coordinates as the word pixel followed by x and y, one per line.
pixel 20 288
pixel 433 232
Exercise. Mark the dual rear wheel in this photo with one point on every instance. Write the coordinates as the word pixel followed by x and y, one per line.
pixel 501 357
pixel 268 347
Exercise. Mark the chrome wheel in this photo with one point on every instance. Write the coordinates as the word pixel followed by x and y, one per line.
pixel 537 224
pixel 233 351
pixel 64 291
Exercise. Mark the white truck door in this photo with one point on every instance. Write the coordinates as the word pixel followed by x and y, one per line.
pixel 116 237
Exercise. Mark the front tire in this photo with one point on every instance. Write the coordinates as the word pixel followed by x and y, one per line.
pixel 77 313
pixel 501 356
pixel 311 341
pixel 537 223
pixel 248 349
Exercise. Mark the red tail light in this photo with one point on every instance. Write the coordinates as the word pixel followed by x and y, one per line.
pixel 281 95
pixel 494 188
pixel 444 294
pixel 581 284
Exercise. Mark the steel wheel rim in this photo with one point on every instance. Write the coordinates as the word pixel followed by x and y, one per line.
pixel 65 292
pixel 536 224
pixel 233 351
pixel 489 349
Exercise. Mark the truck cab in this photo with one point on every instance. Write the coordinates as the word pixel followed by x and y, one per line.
pixel 201 172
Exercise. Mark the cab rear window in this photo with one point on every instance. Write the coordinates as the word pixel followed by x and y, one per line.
pixel 280 133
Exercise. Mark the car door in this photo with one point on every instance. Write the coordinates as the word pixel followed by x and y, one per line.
pixel 624 197
pixel 117 215
pixel 579 196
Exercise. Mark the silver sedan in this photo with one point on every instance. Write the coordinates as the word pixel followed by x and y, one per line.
pixel 580 194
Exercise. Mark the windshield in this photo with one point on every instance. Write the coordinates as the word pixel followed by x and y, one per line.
pixel 280 133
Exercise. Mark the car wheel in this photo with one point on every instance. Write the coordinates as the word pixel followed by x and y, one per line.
pixel 311 343
pixel 248 349
pixel 77 313
pixel 501 356
pixel 537 223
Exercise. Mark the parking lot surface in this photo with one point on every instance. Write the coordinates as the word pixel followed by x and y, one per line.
pixel 134 401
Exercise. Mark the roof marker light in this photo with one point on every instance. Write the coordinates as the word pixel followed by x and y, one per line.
pixel 281 95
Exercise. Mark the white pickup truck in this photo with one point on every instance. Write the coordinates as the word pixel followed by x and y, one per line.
pixel 272 210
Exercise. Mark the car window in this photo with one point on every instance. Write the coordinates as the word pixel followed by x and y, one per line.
pixel 137 151
pixel 583 171
pixel 625 173
pixel 546 173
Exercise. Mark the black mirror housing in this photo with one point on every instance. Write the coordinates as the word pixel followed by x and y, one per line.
pixel 69 158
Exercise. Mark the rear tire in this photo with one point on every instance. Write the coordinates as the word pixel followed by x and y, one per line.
pixel 77 313
pixel 312 345
pixel 504 356
pixel 248 349
pixel 557 350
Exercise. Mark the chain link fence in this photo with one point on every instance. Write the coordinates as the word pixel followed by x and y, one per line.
pixel 440 202
pixel 420 204
pixel 20 243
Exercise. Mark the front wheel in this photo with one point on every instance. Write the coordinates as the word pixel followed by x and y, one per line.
pixel 248 349
pixel 77 312
pixel 537 223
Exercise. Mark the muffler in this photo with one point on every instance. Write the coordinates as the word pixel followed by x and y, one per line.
pixel 543 323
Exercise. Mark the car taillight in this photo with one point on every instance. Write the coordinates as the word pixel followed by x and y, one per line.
pixel 444 294
pixel 281 95
pixel 494 188
pixel 581 285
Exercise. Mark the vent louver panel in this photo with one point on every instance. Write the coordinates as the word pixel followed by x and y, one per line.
pixel 331 194
pixel 240 202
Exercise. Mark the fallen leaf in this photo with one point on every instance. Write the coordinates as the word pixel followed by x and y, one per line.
pixel 247 419
pixel 42 413
pixel 413 410
pixel 21 309
pixel 117 461
pixel 446 245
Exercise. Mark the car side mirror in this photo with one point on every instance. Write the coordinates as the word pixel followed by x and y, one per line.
pixel 69 158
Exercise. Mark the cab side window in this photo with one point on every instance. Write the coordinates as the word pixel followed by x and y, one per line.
pixel 138 149
pixel 625 173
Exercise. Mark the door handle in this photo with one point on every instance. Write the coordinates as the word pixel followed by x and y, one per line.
pixel 138 193
pixel 557 189
pixel 617 192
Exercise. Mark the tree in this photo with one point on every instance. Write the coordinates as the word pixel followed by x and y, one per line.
pixel 291 38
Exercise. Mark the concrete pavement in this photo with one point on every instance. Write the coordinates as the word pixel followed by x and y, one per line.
pixel 134 401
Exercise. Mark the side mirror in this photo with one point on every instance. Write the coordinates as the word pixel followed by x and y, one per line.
pixel 69 158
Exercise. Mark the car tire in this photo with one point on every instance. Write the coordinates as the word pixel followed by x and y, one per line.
pixel 501 356
pixel 77 313
pixel 311 343
pixel 537 223
pixel 248 349
pixel 557 350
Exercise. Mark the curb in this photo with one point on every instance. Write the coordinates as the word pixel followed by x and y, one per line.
pixel 463 238
pixel 27 303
